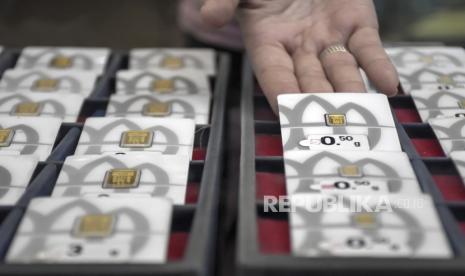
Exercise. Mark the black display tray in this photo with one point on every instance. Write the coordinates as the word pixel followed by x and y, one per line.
pixel 256 258
pixel 196 220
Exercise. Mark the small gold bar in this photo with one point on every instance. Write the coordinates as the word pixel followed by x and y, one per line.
pixel 352 171
pixel 121 179
pixel 427 59
pixel 163 86
pixel 45 85
pixel 172 62
pixel 61 62
pixel 95 226
pixel 365 220
pixel 446 80
pixel 136 139
pixel 6 137
pixel 334 120
pixel 157 109
pixel 27 109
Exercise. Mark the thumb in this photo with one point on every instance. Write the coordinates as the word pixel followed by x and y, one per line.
pixel 218 13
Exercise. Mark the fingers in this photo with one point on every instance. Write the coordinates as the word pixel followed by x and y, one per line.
pixel 342 71
pixel 218 13
pixel 366 46
pixel 310 73
pixel 274 70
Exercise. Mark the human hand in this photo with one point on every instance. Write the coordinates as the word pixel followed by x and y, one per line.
pixel 286 42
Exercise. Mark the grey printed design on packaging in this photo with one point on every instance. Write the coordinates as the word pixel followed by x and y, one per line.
pixel 122 108
pixel 312 241
pixel 453 133
pixel 31 61
pixel 58 108
pixel 32 138
pixel 6 178
pixel 413 80
pixel 77 176
pixel 42 227
pixel 295 116
pixel 14 84
pixel 97 137
pixel 431 104
pixel 130 86
pixel 145 61
pixel 399 58
pixel 307 169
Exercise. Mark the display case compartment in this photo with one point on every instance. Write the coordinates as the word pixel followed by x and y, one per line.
pixel 263 246
pixel 194 225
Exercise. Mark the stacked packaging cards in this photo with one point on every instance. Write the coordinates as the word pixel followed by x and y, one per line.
pixel 46 87
pixel 113 199
pixel 428 68
pixel 174 59
pixel 352 191
pixel 194 107
pixel 435 78
pixel 56 79
pixel 169 83
pixel 64 59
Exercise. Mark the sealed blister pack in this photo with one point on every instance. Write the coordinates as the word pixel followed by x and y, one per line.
pixel 66 107
pixel 138 175
pixel 64 58
pixel 168 136
pixel 163 81
pixel 196 107
pixel 49 81
pixel 70 230
pixel 173 59
pixel 349 121
pixel 346 173
pixel 369 227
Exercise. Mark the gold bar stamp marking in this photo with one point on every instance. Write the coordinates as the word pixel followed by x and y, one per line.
pixel 335 120
pixel 122 179
pixel 136 139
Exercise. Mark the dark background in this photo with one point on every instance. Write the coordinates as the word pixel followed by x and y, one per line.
pixel 111 23
pixel 143 23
